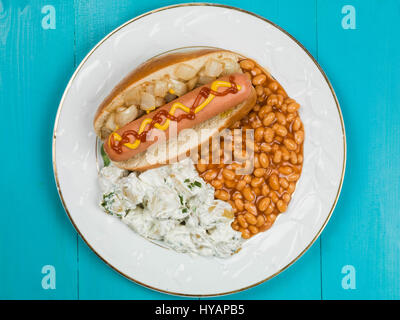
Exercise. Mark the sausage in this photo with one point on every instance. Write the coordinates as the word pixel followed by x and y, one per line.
pixel 133 142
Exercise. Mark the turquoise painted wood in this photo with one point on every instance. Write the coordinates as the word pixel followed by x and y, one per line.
pixel 363 65
pixel 34 70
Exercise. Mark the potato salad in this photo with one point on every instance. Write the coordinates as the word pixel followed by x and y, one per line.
pixel 173 205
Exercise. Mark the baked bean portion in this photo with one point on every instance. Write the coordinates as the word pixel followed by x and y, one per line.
pixel 259 197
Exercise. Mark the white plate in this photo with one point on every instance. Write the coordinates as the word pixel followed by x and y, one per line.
pixel 266 254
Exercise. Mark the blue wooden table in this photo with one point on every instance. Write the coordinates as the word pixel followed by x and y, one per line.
pixel 357 44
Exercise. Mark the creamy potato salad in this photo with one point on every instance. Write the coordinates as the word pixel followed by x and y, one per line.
pixel 171 204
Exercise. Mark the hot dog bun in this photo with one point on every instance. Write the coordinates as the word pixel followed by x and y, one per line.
pixel 182 72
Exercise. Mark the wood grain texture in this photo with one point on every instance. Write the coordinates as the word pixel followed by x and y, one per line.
pixel 35 67
pixel 363 65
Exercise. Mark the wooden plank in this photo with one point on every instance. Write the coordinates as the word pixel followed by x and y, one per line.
pixel 94 19
pixel 363 65
pixel 35 67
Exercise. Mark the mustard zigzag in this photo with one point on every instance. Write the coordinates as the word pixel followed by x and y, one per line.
pixel 177 105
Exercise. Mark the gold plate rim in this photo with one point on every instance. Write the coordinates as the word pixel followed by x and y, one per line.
pixel 205 5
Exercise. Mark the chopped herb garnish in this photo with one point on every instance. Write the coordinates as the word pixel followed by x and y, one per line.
pixel 191 185
pixel 184 210
pixel 197 184
pixel 107 201
pixel 106 159
pixel 181 199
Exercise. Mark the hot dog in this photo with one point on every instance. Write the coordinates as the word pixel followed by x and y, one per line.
pixel 188 110
pixel 157 85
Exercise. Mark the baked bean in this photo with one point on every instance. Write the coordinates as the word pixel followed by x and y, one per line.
pixel 228 174
pixel 247 178
pixel 246 234
pixel 293 107
pixel 210 175
pixel 251 207
pixel 299 136
pixel 299 158
pixel 264 110
pixel 268 135
pixel 286 197
pixel 256 161
pixel 281 205
pixel 290 144
pixel 280 99
pixel 265 190
pixel 257 191
pixel 255 123
pixel 271 218
pixel 285 153
pixel 265 147
pixel 294 177
pixel 240 185
pixel 273 86
pixel 270 208
pixel 217 184
pixel 272 100
pixel 237 195
pixel 264 203
pixel 248 194
pixel 250 218
pixel 242 221
pixel 268 119
pixel 253 229
pixel 293 157
pixel 230 183
pixel 274 197
pixel 284 183
pixel 296 124
pixel 259 91
pixel 280 117
pixel 281 92
pixel 285 170
pixel 232 205
pixel 264 161
pixel 290 117
pixel 256 182
pixel 247 64
pixel 259 79
pixel 280 130
pixel 222 195
pixel 239 204
pixel 259 172
pixel 265 227
pixel 267 91
pixel 255 71
pixel 259 134
pixel 201 167
pixel 260 220
pixel 291 188
pixel 273 182
pixel 277 156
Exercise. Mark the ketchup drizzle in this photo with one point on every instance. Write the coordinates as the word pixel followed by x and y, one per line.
pixel 164 114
